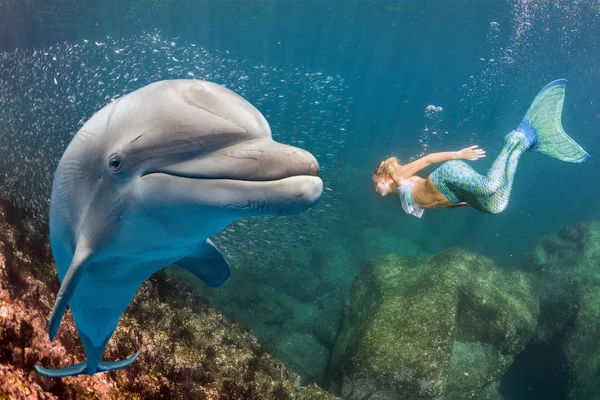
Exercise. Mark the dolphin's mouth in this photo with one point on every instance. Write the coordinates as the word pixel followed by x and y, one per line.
pixel 287 196
pixel 259 175
pixel 254 160
pixel 240 176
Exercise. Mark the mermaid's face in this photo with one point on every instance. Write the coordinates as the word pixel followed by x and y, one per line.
pixel 383 185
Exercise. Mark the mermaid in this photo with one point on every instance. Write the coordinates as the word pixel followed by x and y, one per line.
pixel 456 184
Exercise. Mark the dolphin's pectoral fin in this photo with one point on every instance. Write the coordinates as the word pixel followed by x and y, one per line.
pixel 82 368
pixel 208 264
pixel 67 287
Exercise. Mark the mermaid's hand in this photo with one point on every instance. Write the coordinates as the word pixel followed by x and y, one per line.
pixel 470 153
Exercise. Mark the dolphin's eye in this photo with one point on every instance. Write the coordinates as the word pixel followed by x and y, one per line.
pixel 114 163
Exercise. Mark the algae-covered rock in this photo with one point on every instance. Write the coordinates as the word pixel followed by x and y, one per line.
pixel 566 265
pixel 187 350
pixel 471 364
pixel 303 353
pixel 325 326
pixel 446 327
pixel 262 300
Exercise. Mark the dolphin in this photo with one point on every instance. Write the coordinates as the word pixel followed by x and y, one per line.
pixel 145 183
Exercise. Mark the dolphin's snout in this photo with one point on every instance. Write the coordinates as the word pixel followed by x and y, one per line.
pixel 303 162
pixel 313 166
pixel 268 160
pixel 253 160
pixel 316 169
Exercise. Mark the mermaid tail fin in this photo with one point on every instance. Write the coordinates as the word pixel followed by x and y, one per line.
pixel 543 128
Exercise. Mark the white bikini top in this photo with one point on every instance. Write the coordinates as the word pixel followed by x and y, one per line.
pixel 405 191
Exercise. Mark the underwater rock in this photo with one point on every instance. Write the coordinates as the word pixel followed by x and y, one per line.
pixel 187 350
pixel 445 327
pixel 304 354
pixel 566 265
pixel 270 308
pixel 281 321
pixel 326 325
pixel 246 298
pixel 473 363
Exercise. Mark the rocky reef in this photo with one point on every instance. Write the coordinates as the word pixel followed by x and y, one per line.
pixel 295 307
pixel 444 327
pixel 566 266
pixel 456 326
pixel 294 311
pixel 451 326
pixel 187 349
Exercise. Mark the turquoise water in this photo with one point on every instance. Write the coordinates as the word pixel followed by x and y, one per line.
pixel 349 81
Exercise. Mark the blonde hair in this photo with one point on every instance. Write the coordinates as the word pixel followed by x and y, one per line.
pixel 387 167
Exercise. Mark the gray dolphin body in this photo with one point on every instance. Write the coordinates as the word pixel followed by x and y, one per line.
pixel 144 184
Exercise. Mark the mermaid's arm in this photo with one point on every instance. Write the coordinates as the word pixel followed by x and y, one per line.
pixel 410 169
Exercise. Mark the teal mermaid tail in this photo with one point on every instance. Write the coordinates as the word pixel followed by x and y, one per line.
pixel 543 128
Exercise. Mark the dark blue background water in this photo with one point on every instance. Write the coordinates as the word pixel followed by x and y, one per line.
pixel 398 57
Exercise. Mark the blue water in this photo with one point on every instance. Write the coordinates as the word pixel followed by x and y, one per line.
pixel 481 61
